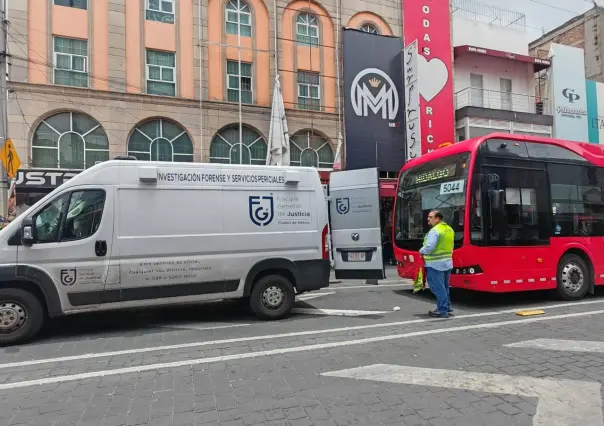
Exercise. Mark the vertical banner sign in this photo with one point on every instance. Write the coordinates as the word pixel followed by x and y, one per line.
pixel 428 22
pixel 412 124
pixel 569 93
pixel 595 111
pixel 373 101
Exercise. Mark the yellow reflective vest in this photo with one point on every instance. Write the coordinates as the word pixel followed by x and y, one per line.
pixel 444 246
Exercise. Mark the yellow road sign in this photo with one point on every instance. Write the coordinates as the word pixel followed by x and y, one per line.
pixel 10 158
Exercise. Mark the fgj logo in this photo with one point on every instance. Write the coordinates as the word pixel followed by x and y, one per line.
pixel 342 205
pixel 384 102
pixel 262 210
pixel 68 276
pixel 570 95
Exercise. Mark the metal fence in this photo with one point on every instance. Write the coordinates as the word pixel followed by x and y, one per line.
pixel 478 11
pixel 505 101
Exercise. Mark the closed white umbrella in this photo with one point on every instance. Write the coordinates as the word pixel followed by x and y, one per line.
pixel 278 135
pixel 337 161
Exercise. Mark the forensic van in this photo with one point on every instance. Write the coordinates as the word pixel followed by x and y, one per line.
pixel 127 234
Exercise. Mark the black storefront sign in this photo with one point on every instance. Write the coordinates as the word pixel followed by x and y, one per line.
pixel 42 179
pixel 373 101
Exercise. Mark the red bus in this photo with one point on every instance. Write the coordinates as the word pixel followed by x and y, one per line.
pixel 528 213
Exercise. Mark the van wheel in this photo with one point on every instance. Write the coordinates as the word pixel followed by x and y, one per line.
pixel 272 297
pixel 574 278
pixel 21 316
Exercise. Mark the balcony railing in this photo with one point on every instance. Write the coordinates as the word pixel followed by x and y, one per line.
pixel 504 101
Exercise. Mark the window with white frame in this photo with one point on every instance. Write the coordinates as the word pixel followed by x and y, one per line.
pixel 310 149
pixel 69 140
pixel 160 140
pixel 309 91
pixel 160 11
pixel 77 4
pixel 307 29
pixel 227 148
pixel 70 62
pixel 239 81
pixel 238 18
pixel 161 73
pixel 369 28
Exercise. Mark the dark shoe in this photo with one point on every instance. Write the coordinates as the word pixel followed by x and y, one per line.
pixel 452 312
pixel 436 314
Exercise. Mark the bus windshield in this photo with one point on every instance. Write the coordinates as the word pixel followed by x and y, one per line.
pixel 439 185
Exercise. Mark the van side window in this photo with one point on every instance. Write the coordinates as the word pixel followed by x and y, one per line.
pixel 48 221
pixel 73 216
pixel 83 215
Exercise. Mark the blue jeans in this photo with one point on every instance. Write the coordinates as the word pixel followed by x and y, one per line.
pixel 438 281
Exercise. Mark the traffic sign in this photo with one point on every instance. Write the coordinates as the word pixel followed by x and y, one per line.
pixel 10 158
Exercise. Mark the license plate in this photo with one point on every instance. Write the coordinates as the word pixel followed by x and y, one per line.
pixel 356 257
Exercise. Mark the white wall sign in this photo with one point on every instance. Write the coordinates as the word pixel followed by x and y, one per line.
pixel 412 131
pixel 561 402
pixel 569 94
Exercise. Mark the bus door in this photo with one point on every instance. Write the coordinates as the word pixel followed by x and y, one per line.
pixel 519 223
pixel 355 224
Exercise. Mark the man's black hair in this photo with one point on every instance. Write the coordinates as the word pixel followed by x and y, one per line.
pixel 438 214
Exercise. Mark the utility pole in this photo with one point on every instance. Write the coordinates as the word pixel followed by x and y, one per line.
pixel 4 184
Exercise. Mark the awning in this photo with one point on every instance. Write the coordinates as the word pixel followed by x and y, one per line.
pixel 387 188
pixel 539 64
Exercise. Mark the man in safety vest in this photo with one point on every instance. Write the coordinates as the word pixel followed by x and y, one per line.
pixel 438 259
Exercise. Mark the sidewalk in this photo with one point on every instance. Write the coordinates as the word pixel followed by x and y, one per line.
pixel 390 275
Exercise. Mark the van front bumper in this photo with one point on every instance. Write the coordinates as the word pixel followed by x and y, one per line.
pixel 312 274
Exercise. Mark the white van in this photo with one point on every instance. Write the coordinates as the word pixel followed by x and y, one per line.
pixel 125 234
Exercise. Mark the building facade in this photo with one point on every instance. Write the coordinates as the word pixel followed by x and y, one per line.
pixel 494 76
pixel 160 79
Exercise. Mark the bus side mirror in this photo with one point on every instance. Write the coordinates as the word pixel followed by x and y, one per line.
pixel 27 232
pixel 497 197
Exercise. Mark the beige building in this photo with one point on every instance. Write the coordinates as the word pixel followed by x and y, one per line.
pixel 93 79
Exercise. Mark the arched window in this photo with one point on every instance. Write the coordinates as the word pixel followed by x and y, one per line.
pixel 370 28
pixel 307 29
pixel 238 18
pixel 309 149
pixel 225 147
pixel 161 140
pixel 69 140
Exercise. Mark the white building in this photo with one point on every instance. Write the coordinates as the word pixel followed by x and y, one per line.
pixel 494 76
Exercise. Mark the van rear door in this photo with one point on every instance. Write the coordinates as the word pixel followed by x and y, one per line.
pixel 355 224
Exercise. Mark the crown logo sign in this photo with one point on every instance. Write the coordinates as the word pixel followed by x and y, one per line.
pixel 375 83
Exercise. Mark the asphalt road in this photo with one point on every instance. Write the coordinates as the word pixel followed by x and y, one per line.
pixel 346 357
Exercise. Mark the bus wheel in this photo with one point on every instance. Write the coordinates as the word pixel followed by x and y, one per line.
pixel 21 316
pixel 574 278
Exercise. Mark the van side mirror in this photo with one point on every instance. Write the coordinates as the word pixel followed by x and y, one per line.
pixel 27 232
pixel 497 198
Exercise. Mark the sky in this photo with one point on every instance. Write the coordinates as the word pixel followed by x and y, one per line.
pixel 547 14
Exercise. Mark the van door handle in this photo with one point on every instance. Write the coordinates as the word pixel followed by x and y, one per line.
pixel 100 248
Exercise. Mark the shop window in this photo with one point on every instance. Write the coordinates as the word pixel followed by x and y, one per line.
pixel 308 149
pixel 69 140
pixel 238 18
pixel 307 29
pixel 160 11
pixel 70 62
pixel 161 140
pixel 228 148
